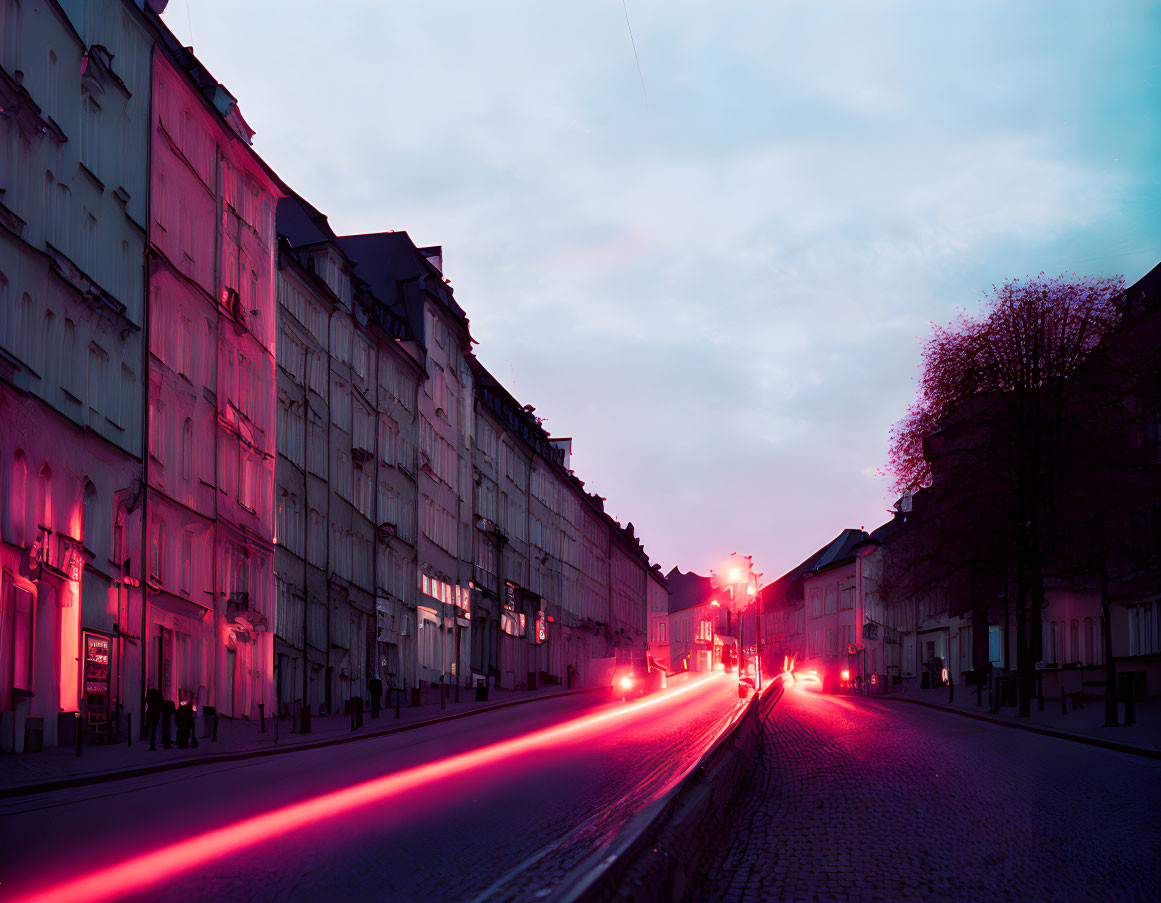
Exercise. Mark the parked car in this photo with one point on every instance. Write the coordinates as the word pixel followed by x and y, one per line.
pixel 639 679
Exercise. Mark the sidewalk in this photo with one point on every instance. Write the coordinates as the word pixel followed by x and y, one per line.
pixel 57 768
pixel 1085 725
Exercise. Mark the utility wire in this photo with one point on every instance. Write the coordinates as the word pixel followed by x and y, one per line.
pixel 632 41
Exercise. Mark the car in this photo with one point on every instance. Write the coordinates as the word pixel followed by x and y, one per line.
pixel 638 680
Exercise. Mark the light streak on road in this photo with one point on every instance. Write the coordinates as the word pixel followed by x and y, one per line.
pixel 135 874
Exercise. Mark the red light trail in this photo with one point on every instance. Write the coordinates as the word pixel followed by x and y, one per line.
pixel 167 862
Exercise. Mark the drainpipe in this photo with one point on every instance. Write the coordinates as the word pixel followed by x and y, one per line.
pixel 305 714
pixel 145 411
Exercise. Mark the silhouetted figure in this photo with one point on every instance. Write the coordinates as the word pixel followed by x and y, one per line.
pixel 183 720
pixel 167 710
pixel 376 688
pixel 154 702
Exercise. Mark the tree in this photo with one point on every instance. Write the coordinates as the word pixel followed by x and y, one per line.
pixel 1106 511
pixel 984 430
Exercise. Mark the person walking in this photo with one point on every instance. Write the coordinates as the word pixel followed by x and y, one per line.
pixel 154 702
pixel 184 721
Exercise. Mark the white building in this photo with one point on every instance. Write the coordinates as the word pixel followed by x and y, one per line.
pixel 74 88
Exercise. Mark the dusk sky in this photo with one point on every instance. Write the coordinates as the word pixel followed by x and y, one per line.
pixel 717 283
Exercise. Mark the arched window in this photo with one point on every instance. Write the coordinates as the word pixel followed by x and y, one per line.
pixel 47 358
pixel 68 350
pixel 89 528
pixel 242 576
pixel 16 512
pixel 22 342
pixel 44 497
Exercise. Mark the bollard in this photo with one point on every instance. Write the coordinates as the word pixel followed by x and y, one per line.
pixel 980 694
pixel 442 694
pixel 77 721
pixel 129 730
pixel 950 689
pixel 277 722
pixel 1063 702
pixel 396 702
pixel 214 729
pixel 262 717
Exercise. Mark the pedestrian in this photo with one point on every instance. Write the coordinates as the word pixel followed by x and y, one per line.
pixel 183 720
pixel 154 702
pixel 376 689
pixel 167 710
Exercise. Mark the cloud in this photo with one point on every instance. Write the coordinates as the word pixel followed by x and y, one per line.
pixel 719 290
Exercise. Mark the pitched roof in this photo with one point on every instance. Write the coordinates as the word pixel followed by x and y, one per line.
pixel 688 590
pixel 840 550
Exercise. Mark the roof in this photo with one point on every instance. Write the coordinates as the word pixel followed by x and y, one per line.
pixel 840 550
pixel 392 264
pixel 688 590
pixel 301 223
pixel 1148 288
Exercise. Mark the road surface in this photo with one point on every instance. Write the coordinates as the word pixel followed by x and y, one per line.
pixel 866 799
pixel 495 806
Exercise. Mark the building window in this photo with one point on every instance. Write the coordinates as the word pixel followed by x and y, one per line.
pixel 157 431
pixel 16 511
pixel 186 562
pixel 1143 638
pixel 44 498
pixel 996 644
pixel 23 637
pixel 128 394
pixel 185 363
pixel 156 549
pixel 187 450
pixel 89 530
pixel 89 244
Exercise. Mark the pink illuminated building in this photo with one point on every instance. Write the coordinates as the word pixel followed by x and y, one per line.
pixel 74 91
pixel 210 397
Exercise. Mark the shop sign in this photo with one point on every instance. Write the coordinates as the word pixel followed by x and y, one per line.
pixel 97 650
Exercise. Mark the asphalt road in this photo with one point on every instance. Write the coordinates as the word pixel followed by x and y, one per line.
pixel 862 799
pixel 496 806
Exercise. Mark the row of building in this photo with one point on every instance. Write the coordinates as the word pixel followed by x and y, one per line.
pixel 249 462
pixel 895 607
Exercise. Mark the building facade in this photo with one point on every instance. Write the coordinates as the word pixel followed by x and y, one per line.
pixel 74 87
pixel 211 392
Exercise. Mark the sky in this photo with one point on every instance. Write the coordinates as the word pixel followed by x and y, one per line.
pixel 714 272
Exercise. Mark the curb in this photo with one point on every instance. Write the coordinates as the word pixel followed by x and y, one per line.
pixel 1144 751
pixel 102 777
pixel 648 857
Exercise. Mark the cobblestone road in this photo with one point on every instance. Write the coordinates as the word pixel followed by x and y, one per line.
pixel 856 799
